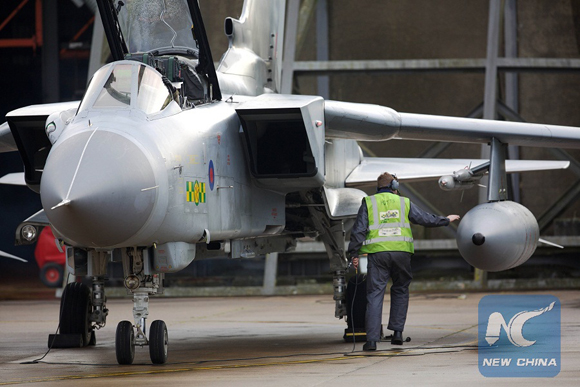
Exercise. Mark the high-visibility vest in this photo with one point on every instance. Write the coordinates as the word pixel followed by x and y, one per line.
pixel 389 226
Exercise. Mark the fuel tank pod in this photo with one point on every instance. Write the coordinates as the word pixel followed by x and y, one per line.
pixel 498 236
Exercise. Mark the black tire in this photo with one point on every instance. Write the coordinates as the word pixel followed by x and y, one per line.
pixel 75 309
pixel 125 343
pixel 51 275
pixel 158 342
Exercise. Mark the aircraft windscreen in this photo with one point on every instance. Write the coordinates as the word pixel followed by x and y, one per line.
pixel 114 89
pixel 152 94
pixel 117 90
pixel 153 24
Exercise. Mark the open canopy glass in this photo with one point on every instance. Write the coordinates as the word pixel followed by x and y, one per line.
pixel 156 24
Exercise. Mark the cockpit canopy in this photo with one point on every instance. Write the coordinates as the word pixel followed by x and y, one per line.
pixel 168 36
pixel 156 24
pixel 127 85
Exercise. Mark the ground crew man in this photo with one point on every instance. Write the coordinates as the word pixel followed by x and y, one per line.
pixel 383 231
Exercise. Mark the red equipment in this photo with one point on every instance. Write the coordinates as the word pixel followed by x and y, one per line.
pixel 50 260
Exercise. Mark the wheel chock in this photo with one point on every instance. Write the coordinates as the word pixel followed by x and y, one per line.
pixel 66 340
pixel 359 335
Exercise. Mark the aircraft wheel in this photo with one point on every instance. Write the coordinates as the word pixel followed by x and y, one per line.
pixel 158 342
pixel 75 309
pixel 125 343
pixel 51 275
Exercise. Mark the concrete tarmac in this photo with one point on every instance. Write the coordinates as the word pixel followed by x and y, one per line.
pixel 270 341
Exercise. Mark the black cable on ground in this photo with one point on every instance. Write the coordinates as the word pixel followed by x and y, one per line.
pixel 395 352
pixel 356 283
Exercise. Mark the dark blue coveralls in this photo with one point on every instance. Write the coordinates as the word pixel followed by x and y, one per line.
pixel 384 265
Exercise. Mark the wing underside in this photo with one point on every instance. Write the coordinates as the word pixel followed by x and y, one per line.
pixel 409 170
pixel 13 179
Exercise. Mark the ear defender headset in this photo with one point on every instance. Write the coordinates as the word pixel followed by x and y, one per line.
pixel 394 183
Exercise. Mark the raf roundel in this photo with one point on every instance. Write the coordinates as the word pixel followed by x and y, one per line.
pixel 211 175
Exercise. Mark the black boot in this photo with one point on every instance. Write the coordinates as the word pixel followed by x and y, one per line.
pixel 397 338
pixel 370 346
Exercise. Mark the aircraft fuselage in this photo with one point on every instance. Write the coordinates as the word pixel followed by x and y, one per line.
pixel 135 181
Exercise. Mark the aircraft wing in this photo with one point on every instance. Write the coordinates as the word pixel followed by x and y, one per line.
pixel 27 131
pixel 366 122
pixel 42 110
pixel 408 169
pixel 7 143
pixel 13 179
pixel 30 117
pixel 6 255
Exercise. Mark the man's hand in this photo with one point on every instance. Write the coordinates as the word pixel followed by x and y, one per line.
pixel 355 263
pixel 453 218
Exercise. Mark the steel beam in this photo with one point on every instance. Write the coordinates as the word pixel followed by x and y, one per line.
pixel 511 52
pixel 490 92
pixel 78 34
pixel 511 83
pixel 570 196
pixel 323 81
pixel 306 12
pixel 50 66
pixel 18 42
pixel 437 65
pixel 12 14
pixel 36 39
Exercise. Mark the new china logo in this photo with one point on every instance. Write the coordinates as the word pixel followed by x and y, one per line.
pixel 519 336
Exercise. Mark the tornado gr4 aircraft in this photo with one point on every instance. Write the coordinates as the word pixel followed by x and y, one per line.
pixel 167 159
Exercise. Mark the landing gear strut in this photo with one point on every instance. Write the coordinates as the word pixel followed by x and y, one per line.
pixel 332 234
pixel 129 335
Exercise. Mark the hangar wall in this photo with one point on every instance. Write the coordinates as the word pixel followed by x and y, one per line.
pixel 419 29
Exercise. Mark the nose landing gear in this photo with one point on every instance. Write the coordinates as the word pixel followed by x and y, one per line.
pixel 158 342
pixel 128 335
pixel 141 283
pixel 125 342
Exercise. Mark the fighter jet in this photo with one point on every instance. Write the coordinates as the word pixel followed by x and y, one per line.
pixel 167 159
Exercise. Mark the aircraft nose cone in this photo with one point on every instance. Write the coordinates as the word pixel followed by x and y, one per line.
pixel 108 182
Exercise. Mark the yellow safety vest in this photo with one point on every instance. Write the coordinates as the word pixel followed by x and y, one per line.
pixel 389 226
